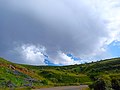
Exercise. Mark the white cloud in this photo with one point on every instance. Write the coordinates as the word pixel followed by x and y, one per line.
pixel 109 10
pixel 63 59
pixel 31 54
pixel 35 55
pixel 84 28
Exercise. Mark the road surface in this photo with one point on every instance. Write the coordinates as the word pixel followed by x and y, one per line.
pixel 81 87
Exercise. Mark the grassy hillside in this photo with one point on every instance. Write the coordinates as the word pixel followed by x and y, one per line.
pixel 21 76
pixel 14 75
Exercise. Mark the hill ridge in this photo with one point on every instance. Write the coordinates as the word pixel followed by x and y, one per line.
pixel 21 75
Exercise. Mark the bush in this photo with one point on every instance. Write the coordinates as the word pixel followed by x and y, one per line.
pixel 115 84
pixel 102 84
pixel 93 76
pixel 45 82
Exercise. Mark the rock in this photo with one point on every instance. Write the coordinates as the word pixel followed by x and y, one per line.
pixel 16 72
pixel 28 85
pixel 10 84
pixel 11 67
pixel 30 79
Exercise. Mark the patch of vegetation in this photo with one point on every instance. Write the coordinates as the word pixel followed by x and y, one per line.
pixel 100 75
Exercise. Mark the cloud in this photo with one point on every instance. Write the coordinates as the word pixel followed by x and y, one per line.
pixel 78 27
pixel 63 59
pixel 31 54
pixel 109 10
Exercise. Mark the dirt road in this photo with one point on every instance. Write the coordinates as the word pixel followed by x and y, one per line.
pixel 81 87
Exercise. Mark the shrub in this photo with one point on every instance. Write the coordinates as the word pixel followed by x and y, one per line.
pixel 45 82
pixel 102 84
pixel 115 84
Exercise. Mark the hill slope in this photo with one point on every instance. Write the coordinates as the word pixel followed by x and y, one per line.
pixel 17 75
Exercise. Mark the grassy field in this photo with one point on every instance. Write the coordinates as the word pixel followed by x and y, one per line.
pixel 21 76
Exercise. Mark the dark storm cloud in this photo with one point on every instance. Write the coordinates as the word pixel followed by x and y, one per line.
pixel 58 25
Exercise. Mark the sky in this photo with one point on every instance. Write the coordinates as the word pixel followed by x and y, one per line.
pixel 59 32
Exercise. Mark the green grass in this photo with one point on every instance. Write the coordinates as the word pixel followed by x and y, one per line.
pixel 45 76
